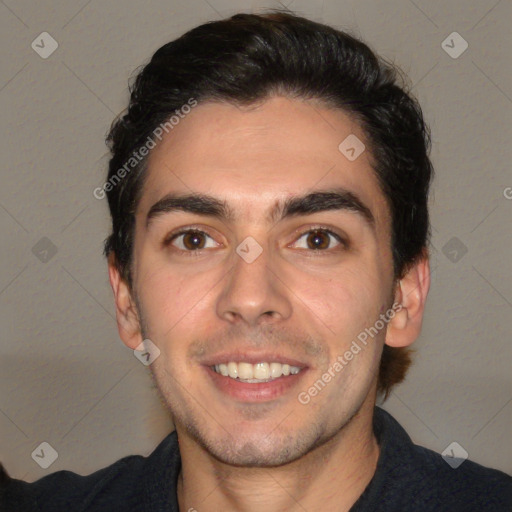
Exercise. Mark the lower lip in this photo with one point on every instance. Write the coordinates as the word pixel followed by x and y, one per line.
pixel 256 392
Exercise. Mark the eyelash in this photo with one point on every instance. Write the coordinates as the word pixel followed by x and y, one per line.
pixel 173 236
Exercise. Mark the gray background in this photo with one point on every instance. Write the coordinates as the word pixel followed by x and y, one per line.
pixel 66 377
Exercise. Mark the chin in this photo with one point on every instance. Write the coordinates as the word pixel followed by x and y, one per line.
pixel 252 455
pixel 259 450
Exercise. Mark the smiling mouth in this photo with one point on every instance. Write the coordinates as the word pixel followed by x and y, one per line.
pixel 255 373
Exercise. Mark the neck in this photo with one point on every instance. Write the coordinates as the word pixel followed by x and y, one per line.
pixel 330 477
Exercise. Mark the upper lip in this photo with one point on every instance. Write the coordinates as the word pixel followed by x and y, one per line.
pixel 251 357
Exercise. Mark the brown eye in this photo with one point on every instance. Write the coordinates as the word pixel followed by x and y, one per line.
pixel 319 239
pixel 192 240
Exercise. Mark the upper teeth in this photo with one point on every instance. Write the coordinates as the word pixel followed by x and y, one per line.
pixel 255 372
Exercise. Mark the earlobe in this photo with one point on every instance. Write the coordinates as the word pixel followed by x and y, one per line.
pixel 411 292
pixel 127 317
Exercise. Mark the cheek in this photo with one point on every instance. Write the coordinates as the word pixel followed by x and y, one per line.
pixel 174 308
pixel 345 300
pixel 171 301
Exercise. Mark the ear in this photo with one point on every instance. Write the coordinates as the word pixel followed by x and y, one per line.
pixel 411 293
pixel 127 317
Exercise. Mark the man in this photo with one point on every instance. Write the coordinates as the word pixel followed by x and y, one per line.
pixel 268 190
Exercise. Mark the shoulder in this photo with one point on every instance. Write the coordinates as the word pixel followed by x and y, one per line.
pixel 411 474
pixel 468 486
pixel 127 482
pixel 67 489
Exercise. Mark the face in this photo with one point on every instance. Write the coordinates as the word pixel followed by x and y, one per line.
pixel 254 292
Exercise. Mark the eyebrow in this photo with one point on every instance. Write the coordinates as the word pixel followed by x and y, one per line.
pixel 314 202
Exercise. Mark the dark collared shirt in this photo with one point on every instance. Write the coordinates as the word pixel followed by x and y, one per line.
pixel 408 478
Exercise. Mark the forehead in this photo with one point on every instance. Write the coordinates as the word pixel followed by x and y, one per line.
pixel 254 157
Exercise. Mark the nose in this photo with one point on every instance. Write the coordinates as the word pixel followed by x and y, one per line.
pixel 254 292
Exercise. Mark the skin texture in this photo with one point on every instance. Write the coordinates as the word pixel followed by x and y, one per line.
pixel 293 301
